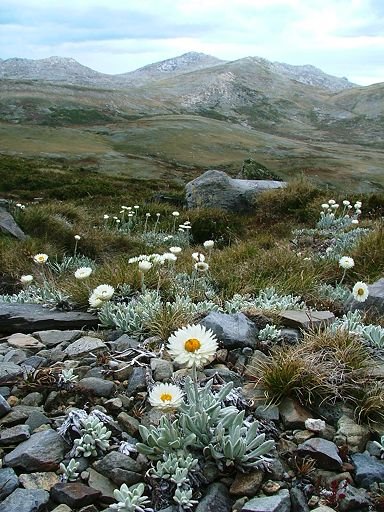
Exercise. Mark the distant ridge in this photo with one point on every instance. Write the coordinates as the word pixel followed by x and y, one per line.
pixel 68 70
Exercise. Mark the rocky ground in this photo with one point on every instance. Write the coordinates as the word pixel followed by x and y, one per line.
pixel 320 466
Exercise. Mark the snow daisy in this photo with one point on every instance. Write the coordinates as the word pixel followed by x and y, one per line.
pixel 83 272
pixel 346 262
pixel 40 258
pixel 103 291
pixel 193 345
pixel 166 397
pixel 360 291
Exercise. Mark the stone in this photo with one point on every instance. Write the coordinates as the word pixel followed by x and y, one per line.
pixel 270 412
pixel 270 487
pixel 43 451
pixel 74 494
pixel 375 299
pixel 128 423
pixel 9 372
pixel 18 414
pixel 25 500
pixel 355 499
pixel 16 356
pixel 119 468
pixel 162 369
pixel 103 484
pixel 368 469
pixel 293 415
pixel 298 500
pixel 9 226
pixel 306 320
pixel 323 508
pixel 26 341
pixel 53 337
pixel 324 452
pixel 15 434
pixel 85 345
pixel 4 406
pixel 123 343
pixel 257 359
pixel 62 508
pixel 33 399
pixel 137 380
pixel 36 419
pixel 44 480
pixel 247 484
pixel 98 387
pixel 350 433
pixel 217 190
pixel 215 499
pixel 27 318
pixel 314 424
pixel 280 502
pixel 232 330
pixel 8 482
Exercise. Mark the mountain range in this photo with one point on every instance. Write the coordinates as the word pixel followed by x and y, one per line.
pixel 194 112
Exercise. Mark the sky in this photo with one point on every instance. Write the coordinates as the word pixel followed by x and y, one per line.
pixel 341 37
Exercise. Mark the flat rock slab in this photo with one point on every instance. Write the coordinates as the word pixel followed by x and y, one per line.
pixel 307 319
pixel 24 341
pixel 25 500
pixel 368 469
pixel 8 482
pixel 232 330
pixel 53 337
pixel 43 451
pixel 15 434
pixel 280 502
pixel 85 345
pixel 324 452
pixel 8 225
pixel 39 480
pixel 9 372
pixel 216 499
pixel 28 318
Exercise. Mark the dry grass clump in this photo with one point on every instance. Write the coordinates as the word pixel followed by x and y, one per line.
pixel 325 366
pixel 369 405
pixel 167 320
pixel 369 254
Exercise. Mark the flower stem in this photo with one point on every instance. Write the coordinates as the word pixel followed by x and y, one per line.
pixel 342 278
pixel 195 386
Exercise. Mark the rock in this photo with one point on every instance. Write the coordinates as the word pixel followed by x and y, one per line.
pixel 27 318
pixel 232 331
pixel 44 480
pixel 252 367
pixel 119 468
pixel 315 424
pixel 270 487
pixel 298 500
pixel 280 502
pixel 25 500
pixel 98 387
pixel 216 189
pixel 74 494
pixel 375 299
pixel 36 419
pixel 324 452
pixel 15 434
pixel 43 451
pixel 350 433
pixel 323 508
pixel 4 406
pixel 215 499
pixel 270 412
pixel 355 499
pixel 18 414
pixel 368 470
pixel 8 482
pixel 102 484
pixel 162 369
pixel 247 484
pixel 9 226
pixel 293 415
pixel 128 423
pixel 123 343
pixel 137 380
pixel 85 345
pixel 24 341
pixel 16 356
pixel 53 337
pixel 307 319
pixel 33 399
pixel 9 372
pixel 62 508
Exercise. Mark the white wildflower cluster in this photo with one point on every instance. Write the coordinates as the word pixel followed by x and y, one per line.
pixel 334 215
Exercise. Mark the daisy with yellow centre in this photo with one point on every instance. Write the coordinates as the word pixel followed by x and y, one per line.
pixel 166 397
pixel 193 345
pixel 360 292
pixel 40 258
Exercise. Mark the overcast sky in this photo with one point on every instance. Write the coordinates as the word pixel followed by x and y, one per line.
pixel 341 37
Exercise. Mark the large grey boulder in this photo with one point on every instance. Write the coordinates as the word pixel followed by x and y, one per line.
pixel 215 189
pixel 232 330
pixel 9 226
pixel 28 318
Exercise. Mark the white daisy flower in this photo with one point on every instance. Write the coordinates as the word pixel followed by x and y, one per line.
pixel 95 302
pixel 83 272
pixel 354 221
pixel 77 237
pixel 331 201
pixel 198 256
pixel 192 345
pixel 208 244
pixel 175 214
pixel 145 265
pixel 175 250
pixel 201 266
pixel 360 292
pixel 40 258
pixel 346 262
pixel 105 216
pixel 103 291
pixel 325 206
pixel 26 279
pixel 168 256
pixel 346 202
pixel 166 397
